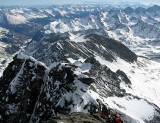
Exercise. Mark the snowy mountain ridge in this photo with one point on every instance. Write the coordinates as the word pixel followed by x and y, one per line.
pixel 73 60
pixel 137 28
pixel 89 46
pixel 107 74
pixel 72 88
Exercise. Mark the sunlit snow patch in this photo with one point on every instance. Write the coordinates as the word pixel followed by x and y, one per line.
pixel 138 109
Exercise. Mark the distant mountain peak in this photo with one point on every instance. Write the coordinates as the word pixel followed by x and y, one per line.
pixel 72 60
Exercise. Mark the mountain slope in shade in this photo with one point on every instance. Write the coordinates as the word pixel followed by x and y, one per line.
pixel 70 47
pixel 89 74
pixel 61 47
pixel 34 93
pixel 79 62
pixel 137 28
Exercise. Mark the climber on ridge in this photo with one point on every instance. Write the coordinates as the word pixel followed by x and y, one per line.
pixel 107 114
pixel 111 118
pixel 116 119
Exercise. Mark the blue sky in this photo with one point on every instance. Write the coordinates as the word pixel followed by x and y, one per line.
pixel 50 2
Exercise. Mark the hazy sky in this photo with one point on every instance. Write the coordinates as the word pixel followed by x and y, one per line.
pixel 50 2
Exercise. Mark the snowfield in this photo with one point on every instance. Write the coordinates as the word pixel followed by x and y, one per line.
pixel 69 31
pixel 144 75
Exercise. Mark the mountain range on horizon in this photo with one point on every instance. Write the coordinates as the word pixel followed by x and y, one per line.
pixel 63 60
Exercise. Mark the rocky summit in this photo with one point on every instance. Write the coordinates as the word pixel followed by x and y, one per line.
pixel 32 92
pixel 79 64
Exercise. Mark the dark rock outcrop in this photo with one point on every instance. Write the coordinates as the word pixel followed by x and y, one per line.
pixel 123 76
pixel 76 118
pixel 31 92
pixel 19 90
pixel 59 47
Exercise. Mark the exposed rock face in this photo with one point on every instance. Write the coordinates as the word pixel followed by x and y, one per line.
pixel 31 92
pixel 114 46
pixel 20 88
pixel 111 80
pixel 76 118
pixel 123 76
pixel 64 90
pixel 60 47
pixel 22 85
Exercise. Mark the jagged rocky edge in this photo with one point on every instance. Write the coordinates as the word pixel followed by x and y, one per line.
pixel 21 84
pixel 21 67
pixel 59 47
pixel 44 93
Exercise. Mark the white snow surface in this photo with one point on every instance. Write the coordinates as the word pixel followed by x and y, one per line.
pixel 78 96
pixel 22 15
pixel 135 31
pixel 24 57
pixel 3 31
pixel 142 72
pixel 144 75
pixel 139 72
pixel 16 19
pixel 139 110
pixel 78 38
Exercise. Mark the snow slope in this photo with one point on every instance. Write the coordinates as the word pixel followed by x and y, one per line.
pixel 85 29
pixel 143 74
pixel 66 88
pixel 134 28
